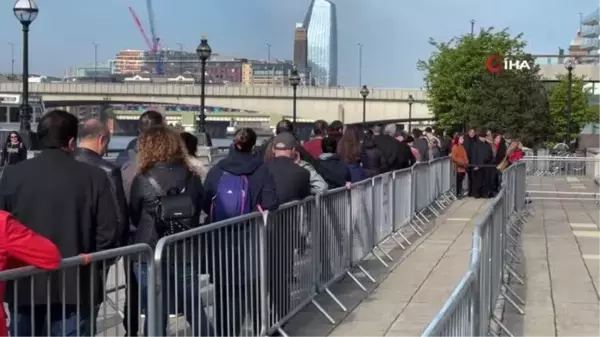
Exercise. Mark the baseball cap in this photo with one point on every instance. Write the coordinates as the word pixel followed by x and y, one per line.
pixel 284 141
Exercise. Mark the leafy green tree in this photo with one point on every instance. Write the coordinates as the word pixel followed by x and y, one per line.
pixel 463 92
pixel 582 113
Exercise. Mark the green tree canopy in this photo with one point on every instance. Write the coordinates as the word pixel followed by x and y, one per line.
pixel 582 113
pixel 463 92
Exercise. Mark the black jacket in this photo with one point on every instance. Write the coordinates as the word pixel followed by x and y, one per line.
pixel 338 167
pixel 292 182
pixel 116 183
pixel 261 184
pixel 144 197
pixel 397 154
pixel 481 154
pixel 123 156
pixel 71 204
pixel 373 162
pixel 469 145
pixel 13 154
pixel 323 171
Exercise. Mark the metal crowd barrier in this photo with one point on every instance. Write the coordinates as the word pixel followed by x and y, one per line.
pixel 471 308
pixel 251 274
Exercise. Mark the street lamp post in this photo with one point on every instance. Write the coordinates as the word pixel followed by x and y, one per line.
pixel 364 92
pixel 180 58
pixel 12 60
pixel 95 61
pixel 203 52
pixel 411 100
pixel 26 11
pixel 569 65
pixel 294 81
pixel 360 47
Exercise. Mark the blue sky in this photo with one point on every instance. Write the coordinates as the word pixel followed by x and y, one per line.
pixel 394 32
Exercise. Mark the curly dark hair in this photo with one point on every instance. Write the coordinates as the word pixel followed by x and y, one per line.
pixel 349 148
pixel 159 144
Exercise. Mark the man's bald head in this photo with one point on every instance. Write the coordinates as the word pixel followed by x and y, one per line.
pixel 94 135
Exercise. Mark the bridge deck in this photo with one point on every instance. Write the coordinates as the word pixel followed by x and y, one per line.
pixel 409 294
pixel 561 266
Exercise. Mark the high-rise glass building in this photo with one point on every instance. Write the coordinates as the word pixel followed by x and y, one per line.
pixel 321 25
pixel 590 32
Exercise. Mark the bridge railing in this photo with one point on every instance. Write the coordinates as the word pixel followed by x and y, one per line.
pixel 471 308
pixel 254 272
pixel 173 89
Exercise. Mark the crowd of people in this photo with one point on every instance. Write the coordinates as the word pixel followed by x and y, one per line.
pixel 79 203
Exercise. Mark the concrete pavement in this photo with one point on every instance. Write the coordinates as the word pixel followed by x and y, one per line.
pixel 561 264
pixel 414 290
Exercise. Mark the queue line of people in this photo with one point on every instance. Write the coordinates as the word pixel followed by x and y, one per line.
pixel 482 158
pixel 158 188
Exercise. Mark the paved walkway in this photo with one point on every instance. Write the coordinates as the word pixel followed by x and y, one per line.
pixel 409 296
pixel 561 265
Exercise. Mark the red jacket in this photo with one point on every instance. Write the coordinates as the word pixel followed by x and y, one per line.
pixel 313 147
pixel 515 156
pixel 20 246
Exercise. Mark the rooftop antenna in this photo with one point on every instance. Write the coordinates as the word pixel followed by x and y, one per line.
pixel 580 21
pixel 472 27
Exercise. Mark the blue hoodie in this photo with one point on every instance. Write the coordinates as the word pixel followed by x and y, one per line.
pixel 261 184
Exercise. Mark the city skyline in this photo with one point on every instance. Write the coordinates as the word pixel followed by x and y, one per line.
pixel 395 35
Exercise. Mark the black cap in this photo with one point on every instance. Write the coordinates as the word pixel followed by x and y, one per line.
pixel 284 141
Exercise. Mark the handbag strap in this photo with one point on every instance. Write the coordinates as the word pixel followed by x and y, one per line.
pixel 155 184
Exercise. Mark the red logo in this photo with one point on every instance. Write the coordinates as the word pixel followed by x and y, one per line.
pixel 494 64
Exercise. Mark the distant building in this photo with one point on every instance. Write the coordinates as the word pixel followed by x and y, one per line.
pixel 260 73
pixel 590 32
pixel 321 26
pixel 300 46
pixel 129 61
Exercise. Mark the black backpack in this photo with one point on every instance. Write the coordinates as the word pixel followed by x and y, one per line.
pixel 173 210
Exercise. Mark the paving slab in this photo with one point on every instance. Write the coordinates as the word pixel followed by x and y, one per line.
pixel 560 262
pixel 416 289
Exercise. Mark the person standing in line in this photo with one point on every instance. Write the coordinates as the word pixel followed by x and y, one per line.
pixel 227 187
pixel 421 143
pixel 71 204
pixel 482 157
pixel 191 144
pixel 313 146
pixel 166 198
pixel 128 157
pixel 374 161
pixel 292 183
pixel 350 150
pixel 461 162
pixel 20 246
pixel 469 143
pixel 14 150
pixel 410 141
pixel 94 138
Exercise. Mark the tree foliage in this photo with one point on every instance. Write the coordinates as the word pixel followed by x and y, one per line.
pixel 462 92
pixel 582 112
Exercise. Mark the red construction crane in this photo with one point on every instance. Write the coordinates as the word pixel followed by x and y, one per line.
pixel 152 46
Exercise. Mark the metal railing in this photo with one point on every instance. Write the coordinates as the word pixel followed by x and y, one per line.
pixel 471 308
pixel 248 275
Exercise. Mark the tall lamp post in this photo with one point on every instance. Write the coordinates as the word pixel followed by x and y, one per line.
pixel 294 81
pixel 95 61
pixel 569 65
pixel 411 100
pixel 26 11
pixel 12 60
pixel 364 92
pixel 203 52
pixel 180 58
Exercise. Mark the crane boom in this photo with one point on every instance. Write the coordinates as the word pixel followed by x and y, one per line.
pixel 155 38
pixel 138 23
